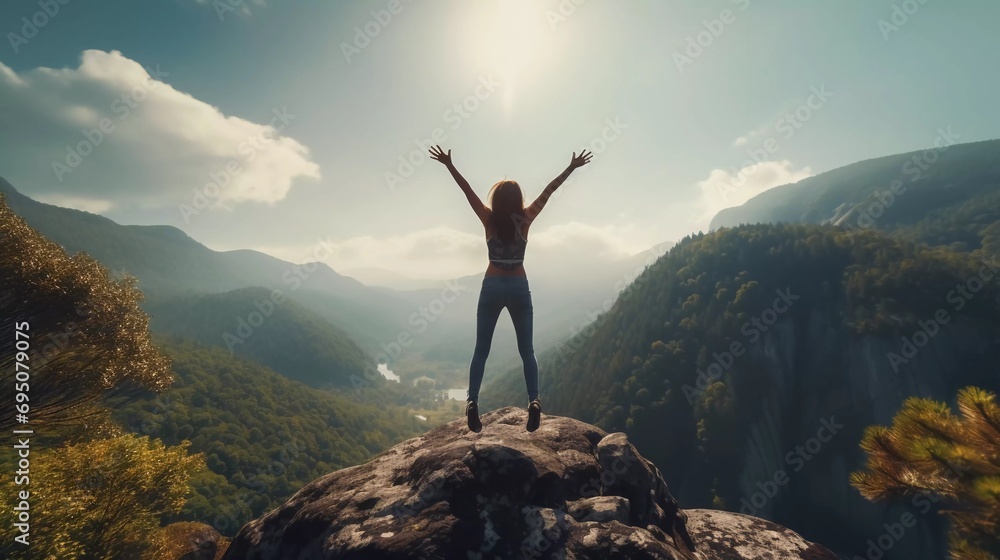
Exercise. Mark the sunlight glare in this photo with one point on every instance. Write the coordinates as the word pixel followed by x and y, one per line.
pixel 507 38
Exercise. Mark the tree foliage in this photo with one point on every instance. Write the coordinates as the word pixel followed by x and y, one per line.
pixel 641 366
pixel 104 498
pixel 263 436
pixel 87 332
pixel 290 339
pixel 956 459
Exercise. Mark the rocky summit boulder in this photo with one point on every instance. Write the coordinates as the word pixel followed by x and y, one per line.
pixel 566 491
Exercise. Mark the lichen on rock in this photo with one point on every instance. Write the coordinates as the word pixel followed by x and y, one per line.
pixel 567 491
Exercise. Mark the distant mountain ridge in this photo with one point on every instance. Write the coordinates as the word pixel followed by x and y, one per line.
pixel 169 263
pixel 863 194
pixel 171 266
pixel 720 420
pixel 282 335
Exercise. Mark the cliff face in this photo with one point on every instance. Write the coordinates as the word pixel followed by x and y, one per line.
pixel 821 377
pixel 566 491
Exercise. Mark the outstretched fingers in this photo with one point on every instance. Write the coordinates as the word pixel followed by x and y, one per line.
pixel 582 159
pixel 439 154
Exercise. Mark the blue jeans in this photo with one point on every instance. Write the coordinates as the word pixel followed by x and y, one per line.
pixel 498 292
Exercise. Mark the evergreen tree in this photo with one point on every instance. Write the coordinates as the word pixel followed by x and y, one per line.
pixel 955 459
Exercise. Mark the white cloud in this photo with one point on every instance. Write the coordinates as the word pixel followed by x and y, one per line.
pixel 756 133
pixel 576 241
pixel 723 189
pixel 443 252
pixel 158 147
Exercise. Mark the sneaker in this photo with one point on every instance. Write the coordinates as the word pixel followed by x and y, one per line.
pixel 472 412
pixel 534 415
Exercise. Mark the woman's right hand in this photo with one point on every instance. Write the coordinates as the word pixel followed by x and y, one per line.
pixel 440 155
pixel 580 160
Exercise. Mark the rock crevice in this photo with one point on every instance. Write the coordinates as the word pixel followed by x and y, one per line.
pixel 567 491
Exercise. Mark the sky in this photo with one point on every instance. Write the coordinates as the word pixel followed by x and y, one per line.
pixel 300 128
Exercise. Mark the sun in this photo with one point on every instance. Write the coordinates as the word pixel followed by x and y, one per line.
pixel 508 38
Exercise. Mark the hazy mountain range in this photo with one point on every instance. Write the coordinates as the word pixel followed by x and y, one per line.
pixel 436 319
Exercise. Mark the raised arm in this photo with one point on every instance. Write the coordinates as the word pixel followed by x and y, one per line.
pixel 539 203
pixel 477 205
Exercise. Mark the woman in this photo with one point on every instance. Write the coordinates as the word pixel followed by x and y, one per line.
pixel 505 283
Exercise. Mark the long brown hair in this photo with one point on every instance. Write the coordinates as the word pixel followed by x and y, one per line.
pixel 507 205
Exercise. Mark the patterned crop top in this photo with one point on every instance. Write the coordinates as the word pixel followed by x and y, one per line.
pixel 504 256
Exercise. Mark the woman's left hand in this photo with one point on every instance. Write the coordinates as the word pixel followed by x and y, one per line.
pixel 439 154
pixel 580 160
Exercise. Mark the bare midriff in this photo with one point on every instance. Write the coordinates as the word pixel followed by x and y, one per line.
pixel 493 270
